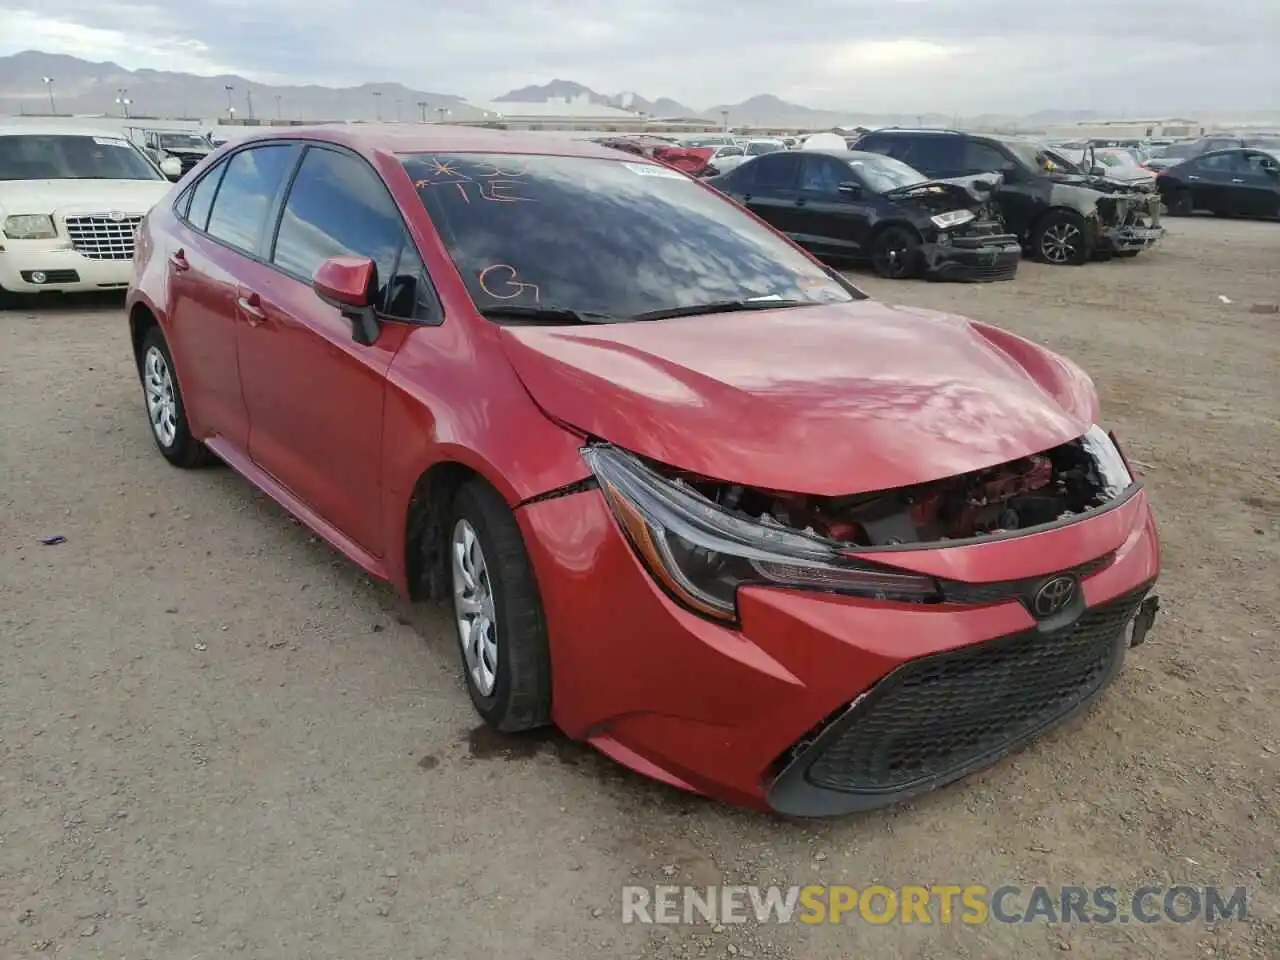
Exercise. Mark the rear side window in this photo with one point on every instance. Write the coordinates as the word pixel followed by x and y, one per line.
pixel 201 200
pixel 777 171
pixel 337 207
pixel 982 157
pixel 929 153
pixel 248 190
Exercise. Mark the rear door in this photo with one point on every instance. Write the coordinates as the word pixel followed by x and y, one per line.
pixel 1257 183
pixel 203 270
pixel 770 189
pixel 315 395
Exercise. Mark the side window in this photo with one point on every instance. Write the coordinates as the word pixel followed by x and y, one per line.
pixel 409 293
pixel 248 190
pixel 823 174
pixel 777 171
pixel 982 157
pixel 338 207
pixel 200 199
pixel 1218 162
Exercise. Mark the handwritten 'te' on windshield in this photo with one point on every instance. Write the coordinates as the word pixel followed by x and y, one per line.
pixel 486 179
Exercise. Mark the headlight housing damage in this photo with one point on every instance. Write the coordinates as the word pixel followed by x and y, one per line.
pixel 29 226
pixel 701 553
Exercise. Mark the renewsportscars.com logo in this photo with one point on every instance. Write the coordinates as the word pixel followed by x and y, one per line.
pixel 939 904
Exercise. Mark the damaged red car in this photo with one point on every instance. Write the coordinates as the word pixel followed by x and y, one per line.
pixel 687 493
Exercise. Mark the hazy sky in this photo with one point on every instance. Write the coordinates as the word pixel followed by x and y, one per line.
pixel 1120 56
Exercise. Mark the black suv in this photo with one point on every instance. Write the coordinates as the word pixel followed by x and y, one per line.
pixel 1062 214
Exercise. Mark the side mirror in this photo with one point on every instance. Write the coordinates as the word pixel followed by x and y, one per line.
pixel 171 167
pixel 348 283
pixel 1097 171
pixel 850 189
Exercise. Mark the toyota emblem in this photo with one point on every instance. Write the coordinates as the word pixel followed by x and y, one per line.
pixel 1053 596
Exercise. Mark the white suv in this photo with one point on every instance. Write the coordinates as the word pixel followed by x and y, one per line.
pixel 70 203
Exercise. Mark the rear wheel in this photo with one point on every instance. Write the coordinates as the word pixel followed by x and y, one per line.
pixel 1060 239
pixel 165 408
pixel 1181 204
pixel 895 254
pixel 502 634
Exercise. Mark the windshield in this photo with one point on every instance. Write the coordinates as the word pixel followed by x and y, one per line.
pixel 183 141
pixel 758 148
pixel 71 157
pixel 1039 157
pixel 606 237
pixel 882 173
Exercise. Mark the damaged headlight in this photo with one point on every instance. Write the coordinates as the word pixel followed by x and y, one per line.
pixel 953 218
pixel 701 553
pixel 1109 461
pixel 29 226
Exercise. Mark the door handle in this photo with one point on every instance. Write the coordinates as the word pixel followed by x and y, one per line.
pixel 179 261
pixel 1192 176
pixel 800 202
pixel 1237 180
pixel 251 306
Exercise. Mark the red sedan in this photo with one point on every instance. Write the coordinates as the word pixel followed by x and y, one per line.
pixel 692 496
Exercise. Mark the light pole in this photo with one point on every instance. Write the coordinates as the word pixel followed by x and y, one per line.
pixel 422 105
pixel 124 101
pixel 724 118
pixel 397 111
pixel 377 104
pixel 278 99
pixel 443 111
pixel 248 99
pixel 48 83
pixel 231 107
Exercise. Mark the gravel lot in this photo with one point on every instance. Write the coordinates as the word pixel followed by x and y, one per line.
pixel 218 739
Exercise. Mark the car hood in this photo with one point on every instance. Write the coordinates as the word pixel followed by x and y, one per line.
pixel 825 399
pixel 1107 184
pixel 86 196
pixel 949 193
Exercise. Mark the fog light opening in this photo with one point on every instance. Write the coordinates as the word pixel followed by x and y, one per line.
pixel 38 276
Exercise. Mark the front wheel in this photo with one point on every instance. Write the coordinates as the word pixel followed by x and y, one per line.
pixel 895 255
pixel 1060 239
pixel 502 633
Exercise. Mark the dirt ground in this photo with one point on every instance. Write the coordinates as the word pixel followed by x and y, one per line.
pixel 218 739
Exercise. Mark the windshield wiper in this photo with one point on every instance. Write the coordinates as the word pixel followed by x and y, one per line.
pixel 547 314
pixel 720 306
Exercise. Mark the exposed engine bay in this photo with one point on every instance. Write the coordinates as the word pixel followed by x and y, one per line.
pixel 1040 489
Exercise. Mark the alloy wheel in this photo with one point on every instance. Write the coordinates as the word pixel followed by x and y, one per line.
pixel 1060 242
pixel 162 403
pixel 474 609
pixel 891 258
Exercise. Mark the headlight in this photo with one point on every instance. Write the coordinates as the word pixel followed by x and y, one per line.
pixel 953 218
pixel 1114 471
pixel 701 553
pixel 29 226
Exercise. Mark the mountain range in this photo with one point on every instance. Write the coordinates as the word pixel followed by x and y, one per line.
pixel 85 87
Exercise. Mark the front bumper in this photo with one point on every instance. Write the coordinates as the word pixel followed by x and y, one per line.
pixel 761 715
pixel 65 270
pixel 980 259
pixel 1120 239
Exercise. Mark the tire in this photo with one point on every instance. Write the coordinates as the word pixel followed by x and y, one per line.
pixel 1060 239
pixel 166 412
pixel 8 301
pixel 501 630
pixel 1181 204
pixel 895 253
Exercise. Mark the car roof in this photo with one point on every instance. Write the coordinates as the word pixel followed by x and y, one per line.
pixel 59 130
pixel 407 138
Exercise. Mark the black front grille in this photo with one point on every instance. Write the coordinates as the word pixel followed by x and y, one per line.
pixel 956 591
pixel 103 237
pixel 939 717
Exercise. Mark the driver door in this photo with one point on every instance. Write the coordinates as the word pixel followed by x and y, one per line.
pixel 830 222
pixel 314 395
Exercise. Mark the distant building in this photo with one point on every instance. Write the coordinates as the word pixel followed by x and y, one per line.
pixel 579 114
pixel 1127 129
